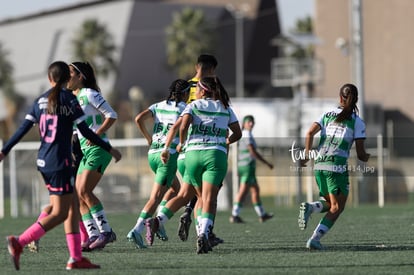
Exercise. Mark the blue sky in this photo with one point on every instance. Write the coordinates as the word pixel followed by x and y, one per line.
pixel 289 10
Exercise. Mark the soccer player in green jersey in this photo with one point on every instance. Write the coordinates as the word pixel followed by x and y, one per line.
pixel 163 114
pixel 246 164
pixel 206 66
pixel 338 128
pixel 210 117
pixel 100 117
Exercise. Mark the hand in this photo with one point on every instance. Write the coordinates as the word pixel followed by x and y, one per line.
pixel 303 162
pixel 165 156
pixel 116 154
pixel 179 147
pixel 2 156
pixel 365 158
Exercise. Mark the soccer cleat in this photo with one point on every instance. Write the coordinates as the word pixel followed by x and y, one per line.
pixel 213 240
pixel 152 225
pixel 15 250
pixel 203 246
pixel 85 245
pixel 184 226
pixel 33 246
pixel 136 238
pixel 84 263
pixel 305 211
pixel 236 219
pixel 312 244
pixel 161 234
pixel 265 217
pixel 103 239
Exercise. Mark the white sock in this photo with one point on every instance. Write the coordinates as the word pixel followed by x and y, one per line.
pixel 205 226
pixel 162 218
pixel 236 209
pixel 91 227
pixel 317 206
pixel 140 225
pixel 319 232
pixel 101 221
pixel 259 210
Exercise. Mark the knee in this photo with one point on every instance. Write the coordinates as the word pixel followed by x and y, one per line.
pixel 83 192
pixel 80 189
pixel 336 208
pixel 185 194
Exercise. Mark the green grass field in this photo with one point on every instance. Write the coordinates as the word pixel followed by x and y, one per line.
pixel 365 240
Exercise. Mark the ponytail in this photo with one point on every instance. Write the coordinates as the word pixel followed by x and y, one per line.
pixel 59 73
pixel 178 89
pixel 222 94
pixel 215 89
pixel 349 96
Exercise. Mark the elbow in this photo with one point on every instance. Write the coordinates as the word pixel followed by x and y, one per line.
pixel 138 120
pixel 309 135
pixel 238 136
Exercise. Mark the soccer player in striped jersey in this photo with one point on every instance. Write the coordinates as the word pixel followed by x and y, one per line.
pixel 210 116
pixel 246 164
pixel 339 129
pixel 55 111
pixel 163 114
pixel 205 67
pixel 100 117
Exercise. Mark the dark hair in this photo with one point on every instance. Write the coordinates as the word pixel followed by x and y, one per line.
pixel 58 72
pixel 207 61
pixel 177 90
pixel 349 96
pixel 215 89
pixel 86 71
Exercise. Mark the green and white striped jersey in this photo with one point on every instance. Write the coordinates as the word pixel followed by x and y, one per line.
pixel 209 126
pixel 96 109
pixel 336 140
pixel 165 114
pixel 243 157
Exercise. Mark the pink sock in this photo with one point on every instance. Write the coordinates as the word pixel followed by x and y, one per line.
pixel 83 233
pixel 42 215
pixel 34 232
pixel 74 245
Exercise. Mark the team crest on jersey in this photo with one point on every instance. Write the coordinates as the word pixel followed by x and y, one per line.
pixel 42 103
pixel 40 163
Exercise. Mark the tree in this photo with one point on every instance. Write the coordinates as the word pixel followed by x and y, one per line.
pixel 303 27
pixel 95 45
pixel 187 37
pixel 13 99
pixel 6 76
